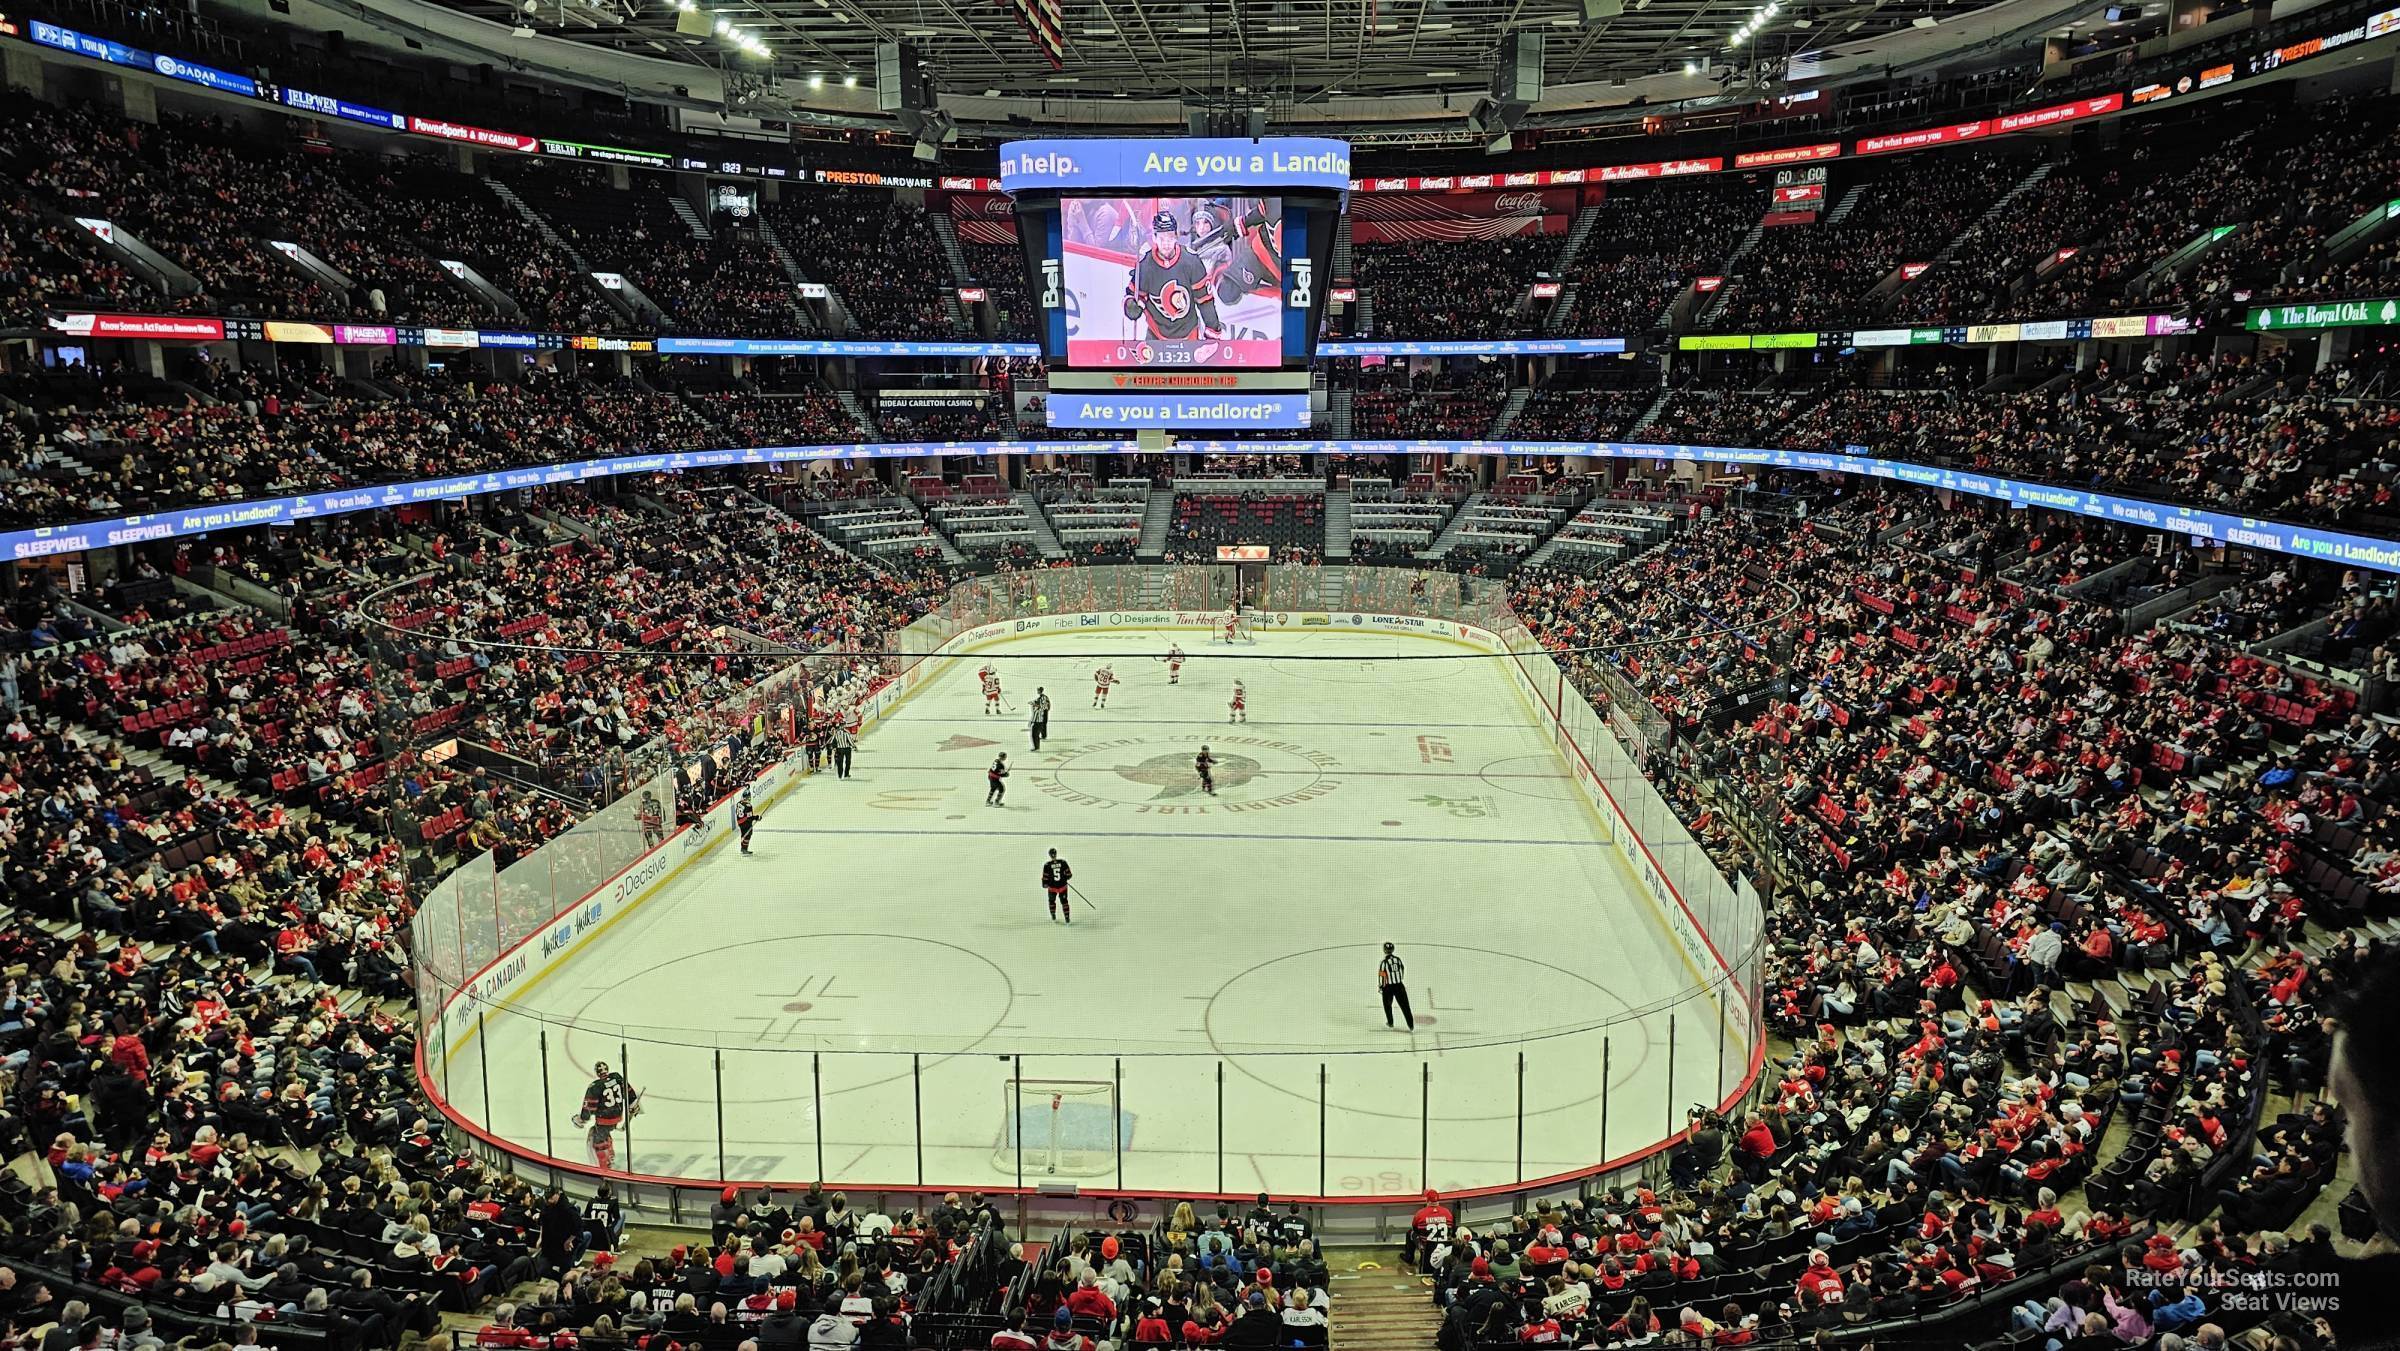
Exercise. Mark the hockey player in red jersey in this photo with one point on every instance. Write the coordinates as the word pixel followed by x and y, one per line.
pixel 1175 661
pixel 1169 288
pixel 1101 680
pixel 1241 705
pixel 991 690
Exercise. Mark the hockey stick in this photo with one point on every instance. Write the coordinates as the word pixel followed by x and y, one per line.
pixel 1087 901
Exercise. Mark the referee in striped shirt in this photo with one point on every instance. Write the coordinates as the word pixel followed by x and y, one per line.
pixel 1391 976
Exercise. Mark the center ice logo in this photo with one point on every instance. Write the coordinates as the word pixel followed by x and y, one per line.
pixel 1174 776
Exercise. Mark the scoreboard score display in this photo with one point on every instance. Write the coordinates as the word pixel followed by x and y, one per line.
pixel 1201 256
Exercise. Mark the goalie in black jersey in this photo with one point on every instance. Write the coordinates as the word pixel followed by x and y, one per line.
pixel 1170 288
pixel 1242 245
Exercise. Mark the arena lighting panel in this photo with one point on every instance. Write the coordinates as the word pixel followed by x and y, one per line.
pixel 2379 555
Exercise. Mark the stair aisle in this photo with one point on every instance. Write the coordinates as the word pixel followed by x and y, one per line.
pixel 1045 540
pixel 1156 517
pixel 1381 1310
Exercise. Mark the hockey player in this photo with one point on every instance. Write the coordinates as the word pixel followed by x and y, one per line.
pixel 1206 765
pixel 653 821
pixel 1168 287
pixel 991 690
pixel 1175 660
pixel 1233 623
pixel 1101 680
pixel 1055 876
pixel 996 794
pixel 608 1102
pixel 745 819
pixel 1244 252
pixel 1241 701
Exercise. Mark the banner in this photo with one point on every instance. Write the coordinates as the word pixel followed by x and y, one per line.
pixel 134 58
pixel 983 217
pixel 1219 408
pixel 1183 164
pixel 168 327
pixel 2380 555
pixel 325 105
pixel 1456 230
pixel 2323 314
pixel 482 136
pixel 1794 154
pixel 1466 205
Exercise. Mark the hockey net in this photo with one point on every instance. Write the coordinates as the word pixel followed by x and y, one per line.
pixel 1065 1127
pixel 1242 632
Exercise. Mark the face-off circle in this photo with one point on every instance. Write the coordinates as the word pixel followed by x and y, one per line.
pixel 1157 774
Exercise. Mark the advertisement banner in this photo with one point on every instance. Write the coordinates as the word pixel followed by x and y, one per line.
pixel 1195 164
pixel 1215 409
pixel 1465 205
pixel 325 105
pixel 286 330
pixel 867 178
pixel 1457 229
pixel 159 327
pixel 2097 106
pixel 134 58
pixel 1892 142
pixel 1474 347
pixel 481 136
pixel 818 347
pixel 2382 555
pixel 1671 168
pixel 648 159
pixel 1792 154
pixel 2323 314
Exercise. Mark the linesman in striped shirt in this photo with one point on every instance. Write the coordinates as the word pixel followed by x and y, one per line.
pixel 1391 976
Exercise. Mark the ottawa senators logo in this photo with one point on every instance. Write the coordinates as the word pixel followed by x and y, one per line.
pixel 1175 300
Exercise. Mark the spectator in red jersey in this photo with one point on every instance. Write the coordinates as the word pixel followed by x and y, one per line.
pixel 1429 1228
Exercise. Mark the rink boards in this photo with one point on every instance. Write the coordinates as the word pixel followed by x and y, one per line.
pixel 495 1025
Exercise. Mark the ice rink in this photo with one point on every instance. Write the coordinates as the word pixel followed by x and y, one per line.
pixel 852 1000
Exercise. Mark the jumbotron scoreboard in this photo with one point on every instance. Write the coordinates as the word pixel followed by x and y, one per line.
pixel 1180 283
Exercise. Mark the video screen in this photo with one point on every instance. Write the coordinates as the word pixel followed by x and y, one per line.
pixel 1172 281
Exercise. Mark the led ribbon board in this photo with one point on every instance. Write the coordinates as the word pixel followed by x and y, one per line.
pixel 1192 165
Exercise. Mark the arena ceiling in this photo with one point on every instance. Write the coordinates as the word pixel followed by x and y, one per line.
pixel 1291 56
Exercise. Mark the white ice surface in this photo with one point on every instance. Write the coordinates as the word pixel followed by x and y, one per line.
pixel 867 981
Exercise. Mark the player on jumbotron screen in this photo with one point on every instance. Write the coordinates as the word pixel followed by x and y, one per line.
pixel 1198 281
pixel 1169 289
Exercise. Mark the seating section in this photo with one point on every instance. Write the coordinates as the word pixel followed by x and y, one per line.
pixel 1896 212
pixel 878 252
pixel 1649 241
pixel 1456 401
pixel 1205 518
pixel 1444 289
pixel 1092 521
